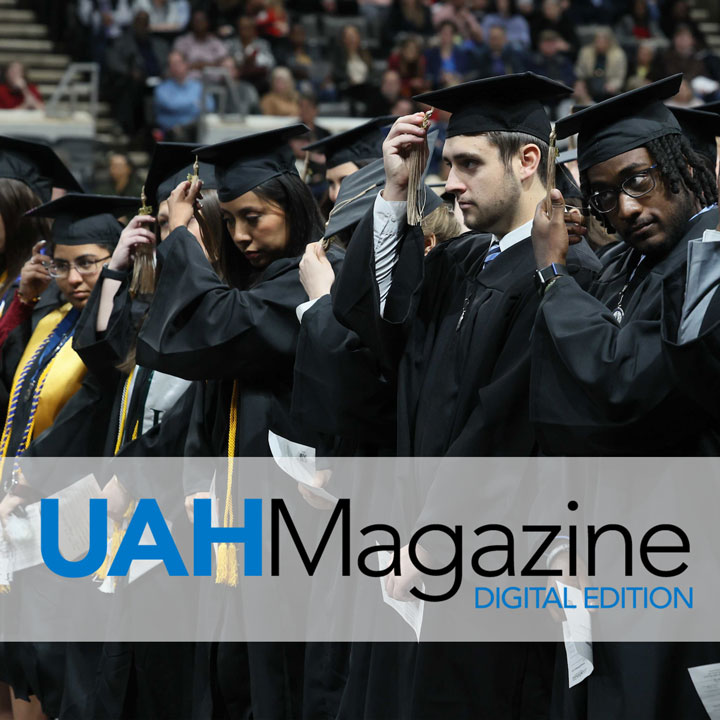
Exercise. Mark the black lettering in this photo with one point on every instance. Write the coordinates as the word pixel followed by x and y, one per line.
pixel 340 511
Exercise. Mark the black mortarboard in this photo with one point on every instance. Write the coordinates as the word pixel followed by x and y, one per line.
pixel 506 103
pixel 246 162
pixel 713 107
pixel 358 192
pixel 86 219
pixel 622 123
pixel 700 128
pixel 171 164
pixel 36 165
pixel 363 142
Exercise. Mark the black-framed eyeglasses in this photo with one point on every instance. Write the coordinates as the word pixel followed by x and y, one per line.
pixel 637 185
pixel 84 265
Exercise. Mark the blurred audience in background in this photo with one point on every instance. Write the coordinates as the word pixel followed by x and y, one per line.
pixel 16 93
pixel 122 178
pixel 178 102
pixel 602 66
pixel 301 58
pixel 200 47
pixel 252 54
pixel 282 98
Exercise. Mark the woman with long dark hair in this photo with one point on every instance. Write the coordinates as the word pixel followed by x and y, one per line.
pixel 239 335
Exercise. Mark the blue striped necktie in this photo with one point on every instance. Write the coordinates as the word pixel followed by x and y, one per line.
pixel 493 252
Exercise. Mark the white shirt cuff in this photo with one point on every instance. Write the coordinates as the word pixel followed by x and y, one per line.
pixel 395 209
pixel 302 308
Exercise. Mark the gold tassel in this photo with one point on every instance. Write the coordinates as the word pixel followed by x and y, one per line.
pixel 143 277
pixel 115 540
pixel 227 569
pixel 4 589
pixel 416 189
pixel 550 178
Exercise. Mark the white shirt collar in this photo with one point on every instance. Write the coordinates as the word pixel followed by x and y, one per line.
pixel 516 235
pixel 704 210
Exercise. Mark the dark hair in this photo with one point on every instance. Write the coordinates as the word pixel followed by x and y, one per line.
pixel 212 226
pixel 303 221
pixel 449 22
pixel 110 249
pixel 211 232
pixel 21 232
pixel 674 157
pixel 509 145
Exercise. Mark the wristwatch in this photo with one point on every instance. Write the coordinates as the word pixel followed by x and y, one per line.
pixel 547 275
pixel 113 274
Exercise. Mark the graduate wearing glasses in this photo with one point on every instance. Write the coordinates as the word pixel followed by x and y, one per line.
pixel 601 383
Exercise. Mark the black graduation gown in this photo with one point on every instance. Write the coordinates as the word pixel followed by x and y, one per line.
pixel 117 679
pixel 338 390
pixel 696 362
pixel 456 337
pixel 200 329
pixel 602 389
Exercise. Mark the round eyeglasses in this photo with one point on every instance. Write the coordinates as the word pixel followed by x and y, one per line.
pixel 84 265
pixel 637 185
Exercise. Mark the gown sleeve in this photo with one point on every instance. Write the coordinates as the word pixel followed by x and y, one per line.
pixel 103 352
pixel 356 298
pixel 588 370
pixel 199 328
pixel 338 387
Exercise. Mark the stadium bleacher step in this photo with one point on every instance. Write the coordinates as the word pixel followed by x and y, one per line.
pixel 25 45
pixel 44 75
pixel 21 30
pixel 33 59
pixel 13 15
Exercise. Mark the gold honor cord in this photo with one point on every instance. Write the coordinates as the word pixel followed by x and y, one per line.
pixel 325 242
pixel 119 526
pixel 551 165
pixel 418 157
pixel 226 572
pixel 143 277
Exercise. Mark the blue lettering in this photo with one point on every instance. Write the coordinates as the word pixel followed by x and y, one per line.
pixel 205 535
pixel 50 540
pixel 148 514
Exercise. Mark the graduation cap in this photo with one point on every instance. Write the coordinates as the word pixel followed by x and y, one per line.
pixel 507 103
pixel 363 142
pixel 622 123
pixel 358 192
pixel 712 107
pixel 86 219
pixel 36 165
pixel 246 162
pixel 700 128
pixel 171 164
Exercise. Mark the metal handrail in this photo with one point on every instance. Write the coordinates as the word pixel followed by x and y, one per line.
pixel 67 89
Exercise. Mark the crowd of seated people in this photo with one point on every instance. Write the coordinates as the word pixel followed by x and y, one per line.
pixel 364 57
